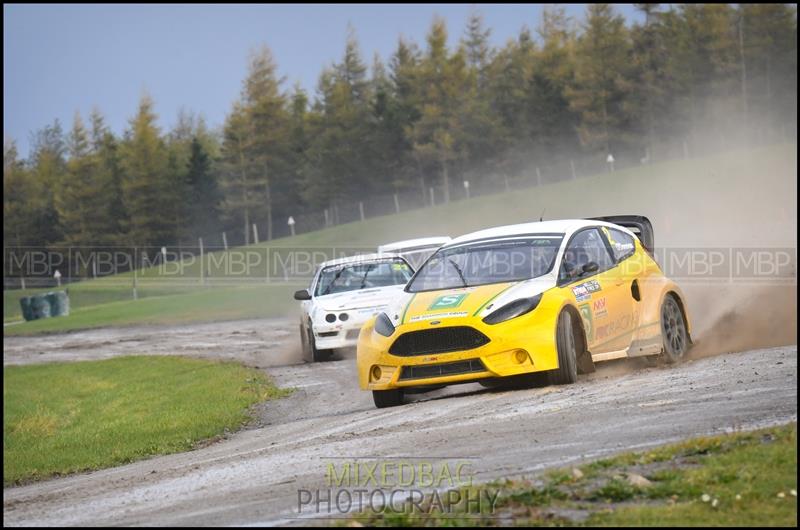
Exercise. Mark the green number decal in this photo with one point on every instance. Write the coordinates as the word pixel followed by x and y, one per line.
pixel 447 301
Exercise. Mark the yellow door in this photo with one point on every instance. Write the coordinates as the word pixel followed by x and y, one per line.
pixel 598 287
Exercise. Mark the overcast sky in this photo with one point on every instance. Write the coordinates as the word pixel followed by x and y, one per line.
pixel 60 59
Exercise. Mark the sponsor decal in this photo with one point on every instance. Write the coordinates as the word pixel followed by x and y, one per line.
pixel 448 300
pixel 599 308
pixel 583 291
pixel 616 327
pixel 592 286
pixel 586 315
pixel 451 314
pixel 371 310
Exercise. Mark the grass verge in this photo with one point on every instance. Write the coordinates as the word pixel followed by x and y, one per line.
pixel 201 305
pixel 64 418
pixel 743 479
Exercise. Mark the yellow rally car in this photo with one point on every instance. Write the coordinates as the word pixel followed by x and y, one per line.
pixel 553 296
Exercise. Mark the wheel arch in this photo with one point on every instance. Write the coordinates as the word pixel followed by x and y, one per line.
pixel 675 293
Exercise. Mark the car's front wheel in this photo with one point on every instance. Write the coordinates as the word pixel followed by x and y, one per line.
pixel 316 355
pixel 387 398
pixel 567 371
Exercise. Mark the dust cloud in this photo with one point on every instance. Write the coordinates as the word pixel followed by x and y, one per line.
pixel 740 201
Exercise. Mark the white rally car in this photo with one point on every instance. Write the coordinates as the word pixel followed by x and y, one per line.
pixel 344 294
pixel 415 251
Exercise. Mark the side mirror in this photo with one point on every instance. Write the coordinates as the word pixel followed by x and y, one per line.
pixel 592 266
pixel 302 294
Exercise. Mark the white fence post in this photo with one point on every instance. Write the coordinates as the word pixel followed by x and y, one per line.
pixel 224 241
pixel 135 269
pixel 202 262
pixel 361 209
pixel 433 200
pixel 396 204
pixel 255 233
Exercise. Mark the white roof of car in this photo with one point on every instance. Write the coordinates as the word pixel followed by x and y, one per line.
pixel 414 244
pixel 360 258
pixel 562 226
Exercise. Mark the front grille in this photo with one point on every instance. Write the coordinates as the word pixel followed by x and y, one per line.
pixel 441 340
pixel 439 370
pixel 328 333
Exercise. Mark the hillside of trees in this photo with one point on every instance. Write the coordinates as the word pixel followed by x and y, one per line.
pixel 428 116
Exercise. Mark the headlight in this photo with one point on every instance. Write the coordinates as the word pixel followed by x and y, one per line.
pixel 383 325
pixel 513 309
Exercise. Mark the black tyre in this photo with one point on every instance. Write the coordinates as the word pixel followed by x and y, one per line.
pixel 673 330
pixel 567 371
pixel 387 398
pixel 304 342
pixel 316 355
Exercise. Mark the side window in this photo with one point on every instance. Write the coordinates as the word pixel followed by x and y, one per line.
pixel 586 246
pixel 621 243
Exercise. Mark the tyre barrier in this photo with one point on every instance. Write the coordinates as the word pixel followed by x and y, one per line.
pixel 52 304
pixel 27 310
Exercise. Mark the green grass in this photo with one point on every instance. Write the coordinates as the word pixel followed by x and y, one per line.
pixel 199 305
pixel 743 479
pixel 664 192
pixel 68 417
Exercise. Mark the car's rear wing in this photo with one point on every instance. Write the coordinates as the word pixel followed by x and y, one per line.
pixel 638 224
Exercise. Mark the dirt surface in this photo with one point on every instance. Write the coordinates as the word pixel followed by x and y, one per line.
pixel 257 343
pixel 253 477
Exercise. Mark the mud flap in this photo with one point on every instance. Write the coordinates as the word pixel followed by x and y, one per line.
pixel 585 363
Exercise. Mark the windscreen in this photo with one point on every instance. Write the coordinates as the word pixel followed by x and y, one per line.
pixel 485 262
pixel 355 276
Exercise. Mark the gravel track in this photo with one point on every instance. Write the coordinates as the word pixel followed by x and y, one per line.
pixel 253 476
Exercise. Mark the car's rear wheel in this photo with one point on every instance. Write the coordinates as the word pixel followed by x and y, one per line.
pixel 387 398
pixel 673 330
pixel 567 371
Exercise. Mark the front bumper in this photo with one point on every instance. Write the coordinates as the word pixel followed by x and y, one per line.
pixel 328 336
pixel 521 345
